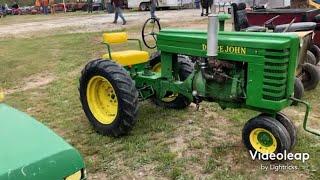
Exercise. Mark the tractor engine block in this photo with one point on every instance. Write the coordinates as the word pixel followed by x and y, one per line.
pixel 220 80
pixel 221 70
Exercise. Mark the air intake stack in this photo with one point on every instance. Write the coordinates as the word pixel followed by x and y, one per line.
pixel 212 41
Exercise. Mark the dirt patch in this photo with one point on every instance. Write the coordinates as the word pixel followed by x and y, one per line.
pixel 97 176
pixel 145 172
pixel 97 23
pixel 34 81
pixel 178 145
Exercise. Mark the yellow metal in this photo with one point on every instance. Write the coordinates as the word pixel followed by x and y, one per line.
pixel 1 95
pixel 115 38
pixel 129 57
pixel 170 98
pixel 75 176
pixel 258 146
pixel 157 68
pixel 102 100
pixel 314 4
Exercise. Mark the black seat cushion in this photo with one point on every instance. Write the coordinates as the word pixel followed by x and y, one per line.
pixel 302 26
pixel 317 18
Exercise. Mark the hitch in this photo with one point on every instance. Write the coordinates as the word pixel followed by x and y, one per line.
pixel 305 121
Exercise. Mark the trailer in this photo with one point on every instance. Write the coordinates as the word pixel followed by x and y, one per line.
pixel 271 3
pixel 144 5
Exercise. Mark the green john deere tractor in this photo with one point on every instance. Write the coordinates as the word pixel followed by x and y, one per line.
pixel 234 69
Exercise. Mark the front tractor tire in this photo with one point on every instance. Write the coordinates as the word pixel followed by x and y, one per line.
pixel 108 97
pixel 266 135
pixel 172 100
pixel 289 125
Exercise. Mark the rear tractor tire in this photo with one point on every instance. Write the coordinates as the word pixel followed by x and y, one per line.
pixel 173 101
pixel 316 52
pixel 266 135
pixel 109 97
pixel 311 58
pixel 310 76
pixel 298 90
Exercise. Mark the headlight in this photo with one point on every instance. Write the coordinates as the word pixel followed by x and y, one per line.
pixel 75 176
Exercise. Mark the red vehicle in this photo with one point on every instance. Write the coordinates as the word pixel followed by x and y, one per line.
pixel 15 10
pixel 258 17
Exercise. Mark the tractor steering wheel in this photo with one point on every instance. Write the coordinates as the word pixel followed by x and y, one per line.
pixel 150 29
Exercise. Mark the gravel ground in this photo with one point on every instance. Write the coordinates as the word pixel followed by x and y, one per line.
pixel 95 23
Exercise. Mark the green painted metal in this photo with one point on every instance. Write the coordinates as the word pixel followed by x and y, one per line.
pixel 29 150
pixel 222 19
pixel 270 58
pixel 305 121
pixel 265 139
pixel 261 79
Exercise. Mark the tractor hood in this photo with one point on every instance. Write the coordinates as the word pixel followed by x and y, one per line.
pixel 30 150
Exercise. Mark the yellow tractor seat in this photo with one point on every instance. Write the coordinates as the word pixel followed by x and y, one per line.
pixel 128 57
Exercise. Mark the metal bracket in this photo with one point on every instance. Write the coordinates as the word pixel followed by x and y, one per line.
pixel 305 121
pixel 142 97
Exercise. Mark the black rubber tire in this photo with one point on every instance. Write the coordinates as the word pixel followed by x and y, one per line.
pixel 155 58
pixel 289 125
pixel 310 76
pixel 143 6
pixel 311 59
pixel 316 52
pixel 125 90
pixel 298 89
pixel 186 68
pixel 273 126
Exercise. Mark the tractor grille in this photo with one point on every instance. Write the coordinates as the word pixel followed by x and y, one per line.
pixel 275 74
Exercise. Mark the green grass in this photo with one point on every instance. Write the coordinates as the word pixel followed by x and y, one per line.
pixel 162 144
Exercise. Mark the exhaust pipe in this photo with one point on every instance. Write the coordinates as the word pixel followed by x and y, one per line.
pixel 212 46
pixel 212 40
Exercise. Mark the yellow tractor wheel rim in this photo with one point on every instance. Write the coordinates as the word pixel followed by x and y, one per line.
pixel 102 100
pixel 1 95
pixel 263 141
pixel 170 98
pixel 157 68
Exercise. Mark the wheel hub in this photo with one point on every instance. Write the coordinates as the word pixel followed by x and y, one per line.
pixel 263 141
pixel 102 100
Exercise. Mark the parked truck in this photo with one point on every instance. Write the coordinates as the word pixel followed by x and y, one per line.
pixel 144 5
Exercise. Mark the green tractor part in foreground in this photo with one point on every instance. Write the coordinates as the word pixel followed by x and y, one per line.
pixel 234 69
pixel 29 150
